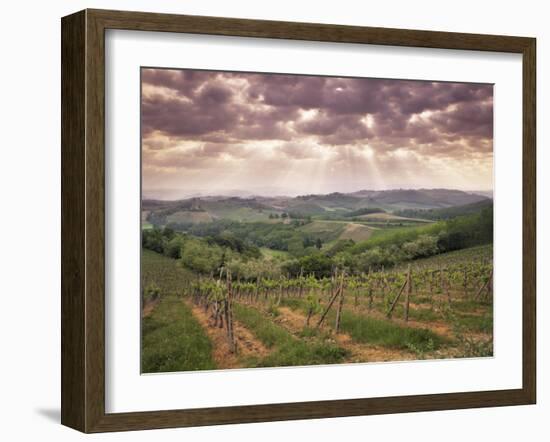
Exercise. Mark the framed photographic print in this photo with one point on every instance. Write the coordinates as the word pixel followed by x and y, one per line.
pixel 268 221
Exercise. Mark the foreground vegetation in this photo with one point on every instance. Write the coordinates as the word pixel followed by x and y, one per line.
pixel 288 349
pixel 292 290
pixel 173 340
pixel 448 314
pixel 237 246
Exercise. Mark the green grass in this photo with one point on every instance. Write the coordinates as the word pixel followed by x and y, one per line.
pixel 173 340
pixel 294 304
pixel 387 333
pixel 423 315
pixel 398 235
pixel 423 299
pixel 271 254
pixel 304 353
pixel 287 350
pixel 164 272
pixel 243 214
pixel 189 216
pixel 356 232
pixel 417 314
pixel 381 332
pixel 325 230
pixel 463 256
pixel 468 306
pixel 480 324
pixel 266 331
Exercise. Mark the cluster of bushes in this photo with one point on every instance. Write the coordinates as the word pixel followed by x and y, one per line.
pixel 364 211
pixel 276 236
pixel 291 215
pixel 202 255
pixel 393 247
pixel 283 215
pixel 238 249
pixel 159 217
pixel 378 257
pixel 317 263
pixel 447 212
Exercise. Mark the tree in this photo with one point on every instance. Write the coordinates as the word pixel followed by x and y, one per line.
pixel 153 240
pixel 316 263
pixel 296 246
pixel 318 243
pixel 197 255
pixel 173 248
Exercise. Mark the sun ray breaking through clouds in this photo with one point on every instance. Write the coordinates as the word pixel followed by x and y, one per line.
pixel 211 132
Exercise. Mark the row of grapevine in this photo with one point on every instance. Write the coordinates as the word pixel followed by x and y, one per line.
pixel 471 281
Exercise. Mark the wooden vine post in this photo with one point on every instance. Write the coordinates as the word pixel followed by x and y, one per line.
pixel 394 302
pixel 371 296
pixel 445 287
pixel 488 286
pixel 218 307
pixel 257 290
pixel 280 291
pixel 408 292
pixel 333 297
pixel 301 283
pixel 340 303
pixel 229 314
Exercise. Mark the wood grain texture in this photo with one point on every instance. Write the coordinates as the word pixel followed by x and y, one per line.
pixel 144 21
pixel 529 221
pixel 83 220
pixel 73 253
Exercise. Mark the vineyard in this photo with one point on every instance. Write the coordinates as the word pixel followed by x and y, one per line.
pixel 437 307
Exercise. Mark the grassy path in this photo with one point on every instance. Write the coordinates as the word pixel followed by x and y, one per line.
pixel 396 338
pixel 248 346
pixel 286 349
pixel 173 340
pixel 294 320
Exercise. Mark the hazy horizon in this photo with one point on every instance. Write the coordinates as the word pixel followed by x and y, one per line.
pixel 176 194
pixel 210 132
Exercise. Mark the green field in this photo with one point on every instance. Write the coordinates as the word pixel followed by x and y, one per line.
pixel 171 277
pixel 189 216
pixel 335 230
pixel 274 254
pixel 146 226
pixel 465 256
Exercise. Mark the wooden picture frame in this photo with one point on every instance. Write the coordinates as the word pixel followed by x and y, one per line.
pixel 83 220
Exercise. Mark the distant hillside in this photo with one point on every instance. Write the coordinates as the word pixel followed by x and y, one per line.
pixel 402 202
pixel 485 193
pixel 423 198
pixel 448 212
pixel 365 211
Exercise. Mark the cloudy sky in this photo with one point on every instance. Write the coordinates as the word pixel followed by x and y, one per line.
pixel 206 132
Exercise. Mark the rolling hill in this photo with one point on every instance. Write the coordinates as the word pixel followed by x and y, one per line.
pixel 447 212
pixel 407 203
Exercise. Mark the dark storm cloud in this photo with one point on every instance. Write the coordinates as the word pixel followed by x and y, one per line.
pixel 204 112
pixel 184 82
pixel 386 114
pixel 335 128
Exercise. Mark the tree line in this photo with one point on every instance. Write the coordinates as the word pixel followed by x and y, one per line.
pixel 207 254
